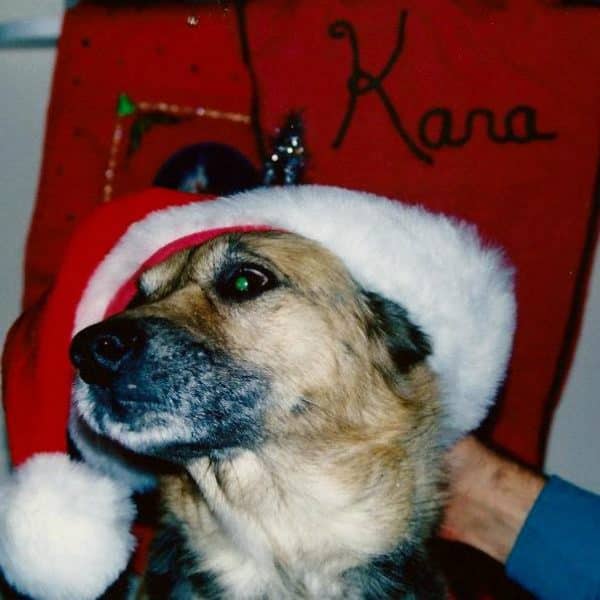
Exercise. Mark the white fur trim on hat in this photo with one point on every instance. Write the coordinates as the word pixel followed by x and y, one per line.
pixel 458 291
pixel 64 529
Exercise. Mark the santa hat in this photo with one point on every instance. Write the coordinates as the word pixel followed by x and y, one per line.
pixel 457 290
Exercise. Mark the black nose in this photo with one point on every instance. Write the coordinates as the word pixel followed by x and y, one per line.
pixel 101 351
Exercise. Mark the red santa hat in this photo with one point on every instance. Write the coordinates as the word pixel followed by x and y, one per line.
pixel 458 290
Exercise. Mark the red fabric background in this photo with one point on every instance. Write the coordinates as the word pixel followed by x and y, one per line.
pixel 534 198
pixel 153 55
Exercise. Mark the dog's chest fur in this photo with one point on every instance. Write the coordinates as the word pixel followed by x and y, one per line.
pixel 273 527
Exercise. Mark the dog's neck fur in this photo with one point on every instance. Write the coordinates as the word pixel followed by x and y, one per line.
pixel 274 524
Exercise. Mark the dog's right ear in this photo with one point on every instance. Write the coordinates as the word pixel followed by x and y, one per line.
pixel 405 342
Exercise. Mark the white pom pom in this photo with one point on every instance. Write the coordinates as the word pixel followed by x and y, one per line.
pixel 64 529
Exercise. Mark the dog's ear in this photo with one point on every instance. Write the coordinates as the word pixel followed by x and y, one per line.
pixel 162 278
pixel 405 342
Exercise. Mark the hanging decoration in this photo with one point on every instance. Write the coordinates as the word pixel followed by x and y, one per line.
pixel 286 163
pixel 136 119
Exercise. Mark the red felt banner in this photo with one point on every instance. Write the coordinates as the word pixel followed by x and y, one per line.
pixel 485 110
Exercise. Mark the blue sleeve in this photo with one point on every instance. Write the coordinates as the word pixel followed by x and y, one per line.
pixel 557 553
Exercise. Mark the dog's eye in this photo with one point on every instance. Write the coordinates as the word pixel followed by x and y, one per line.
pixel 246 282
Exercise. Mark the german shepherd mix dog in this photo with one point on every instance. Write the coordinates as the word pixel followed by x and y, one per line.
pixel 298 412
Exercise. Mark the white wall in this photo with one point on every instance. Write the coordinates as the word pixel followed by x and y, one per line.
pixel 574 450
pixel 574 445
pixel 24 85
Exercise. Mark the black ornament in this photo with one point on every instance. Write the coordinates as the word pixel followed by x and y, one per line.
pixel 208 168
pixel 286 161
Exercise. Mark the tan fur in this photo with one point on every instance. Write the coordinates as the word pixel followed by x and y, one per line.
pixel 349 466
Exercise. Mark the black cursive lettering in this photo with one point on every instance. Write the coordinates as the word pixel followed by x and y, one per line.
pixel 362 82
pixel 436 127
pixel 530 132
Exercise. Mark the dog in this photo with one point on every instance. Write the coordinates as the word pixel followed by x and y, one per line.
pixel 298 416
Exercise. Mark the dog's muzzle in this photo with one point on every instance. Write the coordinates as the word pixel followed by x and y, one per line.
pixel 150 384
pixel 101 351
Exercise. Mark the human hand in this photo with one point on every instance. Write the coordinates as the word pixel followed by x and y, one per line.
pixel 489 498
